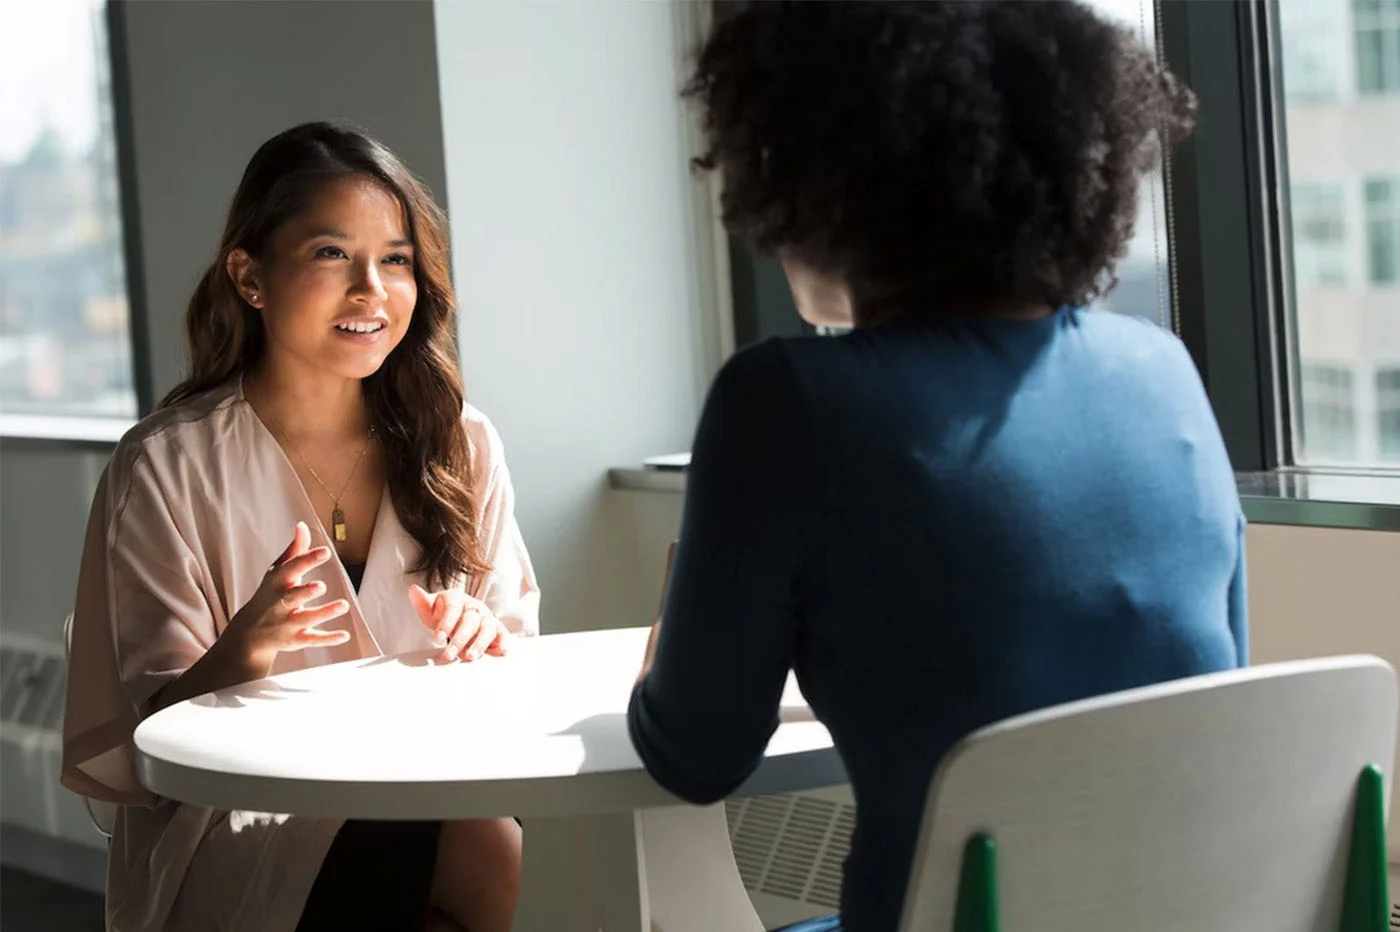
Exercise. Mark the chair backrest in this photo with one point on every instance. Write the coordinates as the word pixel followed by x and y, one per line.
pixel 103 814
pixel 1221 802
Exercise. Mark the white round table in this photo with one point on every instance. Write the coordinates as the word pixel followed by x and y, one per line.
pixel 540 734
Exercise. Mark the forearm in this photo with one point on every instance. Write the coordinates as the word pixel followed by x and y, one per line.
pixel 231 661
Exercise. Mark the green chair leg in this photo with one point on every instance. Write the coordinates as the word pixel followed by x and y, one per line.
pixel 977 887
pixel 1366 906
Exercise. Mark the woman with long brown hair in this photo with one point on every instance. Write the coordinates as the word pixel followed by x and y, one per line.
pixel 323 407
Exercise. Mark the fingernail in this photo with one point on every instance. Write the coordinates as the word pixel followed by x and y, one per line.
pixel 439 639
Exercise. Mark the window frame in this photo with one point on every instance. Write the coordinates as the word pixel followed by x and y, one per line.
pixel 1228 194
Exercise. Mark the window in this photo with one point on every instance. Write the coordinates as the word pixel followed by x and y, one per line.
pixel 1329 413
pixel 1377 25
pixel 1388 412
pixel 1383 231
pixel 1319 234
pixel 65 344
pixel 1341 162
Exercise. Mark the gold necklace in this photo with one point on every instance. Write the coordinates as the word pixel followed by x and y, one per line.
pixel 342 533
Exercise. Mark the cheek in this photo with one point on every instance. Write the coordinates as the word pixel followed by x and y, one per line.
pixel 403 297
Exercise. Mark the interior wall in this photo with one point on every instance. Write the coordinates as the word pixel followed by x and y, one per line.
pixel 583 289
pixel 211 81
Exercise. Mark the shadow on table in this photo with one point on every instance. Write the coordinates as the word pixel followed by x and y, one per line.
pixel 603 736
pixel 237 697
pixel 417 658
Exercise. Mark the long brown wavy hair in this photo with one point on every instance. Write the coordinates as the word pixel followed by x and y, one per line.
pixel 415 399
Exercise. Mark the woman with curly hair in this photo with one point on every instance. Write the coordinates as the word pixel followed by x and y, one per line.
pixel 986 498
pixel 317 490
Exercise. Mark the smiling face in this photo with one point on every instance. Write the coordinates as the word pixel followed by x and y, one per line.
pixel 335 287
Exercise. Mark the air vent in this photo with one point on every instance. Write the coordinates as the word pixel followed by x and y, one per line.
pixel 792 846
pixel 31 687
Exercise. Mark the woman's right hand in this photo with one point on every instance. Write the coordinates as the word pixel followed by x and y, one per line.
pixel 277 618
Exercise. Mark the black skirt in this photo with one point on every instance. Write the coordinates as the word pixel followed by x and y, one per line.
pixel 376 878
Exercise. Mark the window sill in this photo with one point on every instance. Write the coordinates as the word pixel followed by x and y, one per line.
pixel 80 431
pixel 1313 498
pixel 1356 501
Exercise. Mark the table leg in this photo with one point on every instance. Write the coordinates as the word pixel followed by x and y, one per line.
pixel 693 882
pixel 657 870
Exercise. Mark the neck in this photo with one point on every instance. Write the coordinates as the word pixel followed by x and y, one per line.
pixel 308 406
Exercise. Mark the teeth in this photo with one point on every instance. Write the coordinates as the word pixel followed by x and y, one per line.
pixel 361 327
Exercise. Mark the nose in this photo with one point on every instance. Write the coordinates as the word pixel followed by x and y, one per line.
pixel 368 287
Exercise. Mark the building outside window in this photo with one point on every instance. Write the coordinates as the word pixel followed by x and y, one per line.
pixel 1382 199
pixel 1340 64
pixel 1319 234
pixel 1329 412
pixel 1388 412
pixel 1377 24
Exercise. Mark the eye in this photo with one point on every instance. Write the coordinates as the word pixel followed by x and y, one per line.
pixel 398 258
pixel 330 252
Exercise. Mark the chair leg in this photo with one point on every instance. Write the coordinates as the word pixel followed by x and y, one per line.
pixel 976 909
pixel 1366 905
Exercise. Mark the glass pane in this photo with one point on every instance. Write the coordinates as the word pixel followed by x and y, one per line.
pixel 1341 156
pixel 63 305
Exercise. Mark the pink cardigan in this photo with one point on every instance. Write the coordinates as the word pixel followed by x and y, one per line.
pixel 196 503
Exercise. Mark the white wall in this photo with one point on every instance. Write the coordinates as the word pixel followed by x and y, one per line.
pixel 579 255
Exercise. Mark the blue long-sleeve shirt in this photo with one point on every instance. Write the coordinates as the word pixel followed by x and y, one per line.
pixel 938 523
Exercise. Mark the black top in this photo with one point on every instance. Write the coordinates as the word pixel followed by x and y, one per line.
pixel 356 572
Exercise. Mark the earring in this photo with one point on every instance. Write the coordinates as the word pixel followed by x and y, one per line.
pixel 253 298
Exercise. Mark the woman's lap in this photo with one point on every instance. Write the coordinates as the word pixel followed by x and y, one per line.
pixel 377 875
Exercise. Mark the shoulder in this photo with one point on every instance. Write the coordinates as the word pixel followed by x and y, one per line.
pixel 758 377
pixel 1133 338
pixel 487 449
pixel 190 429
pixel 166 443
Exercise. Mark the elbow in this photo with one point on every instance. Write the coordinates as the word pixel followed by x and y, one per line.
pixel 687 769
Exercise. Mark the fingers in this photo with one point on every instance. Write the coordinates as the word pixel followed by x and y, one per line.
pixel 501 645
pixel 301 539
pixel 310 637
pixel 484 637
pixel 466 627
pixel 297 596
pixel 422 602
pixel 294 568
pixel 319 614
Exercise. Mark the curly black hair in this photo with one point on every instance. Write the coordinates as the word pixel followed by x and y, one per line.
pixel 960 156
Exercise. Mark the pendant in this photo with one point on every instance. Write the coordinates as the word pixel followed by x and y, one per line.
pixel 338 523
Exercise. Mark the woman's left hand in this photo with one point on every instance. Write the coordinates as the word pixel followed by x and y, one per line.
pixel 462 626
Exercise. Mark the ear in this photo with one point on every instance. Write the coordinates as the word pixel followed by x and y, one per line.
pixel 243 271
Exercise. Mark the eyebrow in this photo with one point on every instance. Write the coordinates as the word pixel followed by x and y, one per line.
pixel 342 235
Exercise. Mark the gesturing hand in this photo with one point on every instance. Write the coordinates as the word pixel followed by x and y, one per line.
pixel 462 626
pixel 277 617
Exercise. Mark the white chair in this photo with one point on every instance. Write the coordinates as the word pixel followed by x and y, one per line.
pixel 103 814
pixel 1249 801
